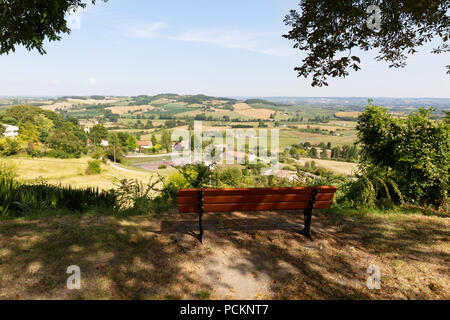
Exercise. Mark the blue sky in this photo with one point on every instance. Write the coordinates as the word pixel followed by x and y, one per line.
pixel 221 48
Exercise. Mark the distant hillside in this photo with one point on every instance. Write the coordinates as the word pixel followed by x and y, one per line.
pixel 396 103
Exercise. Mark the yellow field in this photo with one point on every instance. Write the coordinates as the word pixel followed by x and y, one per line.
pixel 125 109
pixel 352 114
pixel 219 110
pixel 71 102
pixel 246 110
pixel 91 101
pixel 339 167
pixel 72 172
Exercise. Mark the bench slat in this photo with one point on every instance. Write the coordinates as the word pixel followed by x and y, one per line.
pixel 257 198
pixel 254 191
pixel 227 207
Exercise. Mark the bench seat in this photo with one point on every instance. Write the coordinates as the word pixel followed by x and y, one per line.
pixel 256 199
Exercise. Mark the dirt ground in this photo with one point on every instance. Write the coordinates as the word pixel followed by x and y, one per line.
pixel 244 256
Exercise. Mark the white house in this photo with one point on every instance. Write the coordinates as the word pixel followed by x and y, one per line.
pixel 283 174
pixel 104 143
pixel 11 131
pixel 143 145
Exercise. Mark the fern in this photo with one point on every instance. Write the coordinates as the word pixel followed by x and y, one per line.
pixel 396 190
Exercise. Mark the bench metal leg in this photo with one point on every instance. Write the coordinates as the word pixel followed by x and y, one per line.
pixel 307 229
pixel 308 214
pixel 200 226
pixel 200 215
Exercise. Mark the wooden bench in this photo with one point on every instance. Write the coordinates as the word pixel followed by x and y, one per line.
pixel 256 199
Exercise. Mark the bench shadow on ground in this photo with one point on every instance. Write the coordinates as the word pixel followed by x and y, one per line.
pixel 269 249
pixel 268 246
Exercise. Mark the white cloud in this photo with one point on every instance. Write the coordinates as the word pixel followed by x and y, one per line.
pixel 92 81
pixel 146 31
pixel 255 41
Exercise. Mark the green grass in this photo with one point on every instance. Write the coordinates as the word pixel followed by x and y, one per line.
pixel 204 295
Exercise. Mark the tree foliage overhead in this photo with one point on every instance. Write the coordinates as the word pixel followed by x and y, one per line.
pixel 29 23
pixel 328 31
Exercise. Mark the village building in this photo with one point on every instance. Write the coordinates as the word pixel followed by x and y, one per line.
pixel 10 131
pixel 143 145
pixel 88 124
pixel 104 143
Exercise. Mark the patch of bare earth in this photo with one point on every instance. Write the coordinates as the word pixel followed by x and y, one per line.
pixel 244 256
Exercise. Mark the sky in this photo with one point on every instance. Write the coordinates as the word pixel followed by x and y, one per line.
pixel 220 48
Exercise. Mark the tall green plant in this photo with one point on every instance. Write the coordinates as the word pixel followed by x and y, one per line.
pixel 8 192
pixel 42 196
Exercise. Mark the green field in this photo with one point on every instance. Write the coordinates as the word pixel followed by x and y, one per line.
pixel 289 137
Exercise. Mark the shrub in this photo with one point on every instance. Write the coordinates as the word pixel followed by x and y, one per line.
pixel 370 189
pixel 197 175
pixel 231 177
pixel 93 167
pixel 136 195
pixel 98 154
pixel 163 166
pixel 9 146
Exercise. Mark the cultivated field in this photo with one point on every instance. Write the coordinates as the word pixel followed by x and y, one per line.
pixel 338 167
pixel 246 110
pixel 58 105
pixel 126 109
pixel 91 101
pixel 325 126
pixel 73 102
pixel 289 137
pixel 348 114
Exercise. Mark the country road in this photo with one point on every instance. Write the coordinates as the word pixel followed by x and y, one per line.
pixel 115 166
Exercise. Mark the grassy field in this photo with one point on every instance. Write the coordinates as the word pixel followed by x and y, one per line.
pixel 148 257
pixel 72 172
pixel 338 167
pixel 289 137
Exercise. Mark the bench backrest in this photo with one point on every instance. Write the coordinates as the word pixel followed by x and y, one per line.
pixel 254 199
